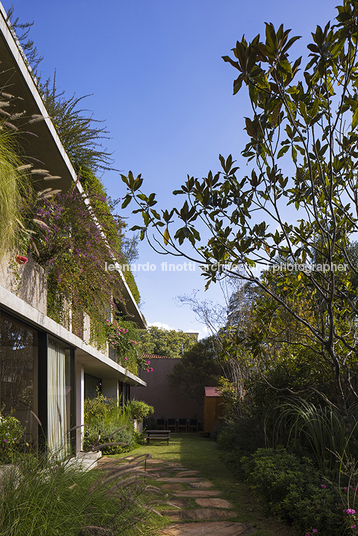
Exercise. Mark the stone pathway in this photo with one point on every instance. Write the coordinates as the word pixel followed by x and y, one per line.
pixel 198 509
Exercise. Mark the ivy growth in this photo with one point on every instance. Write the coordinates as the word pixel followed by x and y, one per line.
pixel 71 248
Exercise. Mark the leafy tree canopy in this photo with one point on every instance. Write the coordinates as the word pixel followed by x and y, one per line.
pixel 198 368
pixel 294 214
pixel 165 342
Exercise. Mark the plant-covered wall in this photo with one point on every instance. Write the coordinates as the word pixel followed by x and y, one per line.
pixel 71 235
pixel 123 336
pixel 104 210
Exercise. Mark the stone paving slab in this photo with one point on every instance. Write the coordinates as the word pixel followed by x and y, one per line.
pixel 201 485
pixel 182 479
pixel 181 503
pixel 172 487
pixel 151 469
pixel 210 519
pixel 178 469
pixel 214 503
pixel 197 493
pixel 200 514
pixel 212 528
pixel 105 466
pixel 187 473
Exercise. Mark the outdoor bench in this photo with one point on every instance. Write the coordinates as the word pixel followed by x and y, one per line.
pixel 158 434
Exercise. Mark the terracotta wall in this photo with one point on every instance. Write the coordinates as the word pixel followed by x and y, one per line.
pixel 158 393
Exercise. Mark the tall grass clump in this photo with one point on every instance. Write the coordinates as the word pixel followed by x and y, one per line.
pixel 314 430
pixel 40 497
pixel 12 182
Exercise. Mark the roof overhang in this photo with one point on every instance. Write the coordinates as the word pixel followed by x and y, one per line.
pixel 95 362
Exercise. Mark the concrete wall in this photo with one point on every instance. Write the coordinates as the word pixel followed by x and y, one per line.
pixel 158 393
pixel 27 281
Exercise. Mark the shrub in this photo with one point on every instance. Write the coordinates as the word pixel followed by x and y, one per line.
pixel 96 437
pixel 139 409
pixel 106 422
pixel 293 489
pixel 11 432
pixel 219 426
pixel 246 434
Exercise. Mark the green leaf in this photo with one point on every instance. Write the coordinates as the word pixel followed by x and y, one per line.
pixel 282 151
pixel 355 119
pixel 237 84
pixel 126 201
pixel 155 213
pixel 125 179
pixel 137 183
pixel 235 64
pixel 146 218
pixel 294 153
pixel 222 161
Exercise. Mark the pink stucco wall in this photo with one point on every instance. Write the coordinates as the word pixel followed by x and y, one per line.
pixel 158 393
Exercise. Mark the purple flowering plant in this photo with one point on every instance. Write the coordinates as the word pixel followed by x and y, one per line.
pixel 73 250
pixel 349 497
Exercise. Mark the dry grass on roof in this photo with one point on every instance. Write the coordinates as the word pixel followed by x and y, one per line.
pixel 156 356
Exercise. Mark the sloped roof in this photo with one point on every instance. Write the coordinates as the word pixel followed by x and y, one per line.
pixel 212 391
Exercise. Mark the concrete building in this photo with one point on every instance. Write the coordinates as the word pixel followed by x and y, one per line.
pixel 45 369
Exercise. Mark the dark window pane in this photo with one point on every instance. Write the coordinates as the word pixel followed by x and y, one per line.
pixel 18 372
pixel 93 385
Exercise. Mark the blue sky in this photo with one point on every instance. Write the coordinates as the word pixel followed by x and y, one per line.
pixel 154 73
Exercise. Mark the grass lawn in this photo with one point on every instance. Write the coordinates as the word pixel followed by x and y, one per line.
pixel 203 454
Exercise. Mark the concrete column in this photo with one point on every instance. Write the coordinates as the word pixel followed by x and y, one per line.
pixel 86 328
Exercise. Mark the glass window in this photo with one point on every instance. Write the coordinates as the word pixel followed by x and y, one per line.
pixel 58 397
pixel 18 373
pixel 93 386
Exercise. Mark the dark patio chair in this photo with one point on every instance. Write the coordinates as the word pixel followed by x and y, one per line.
pixel 172 425
pixel 182 425
pixel 193 425
pixel 161 424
